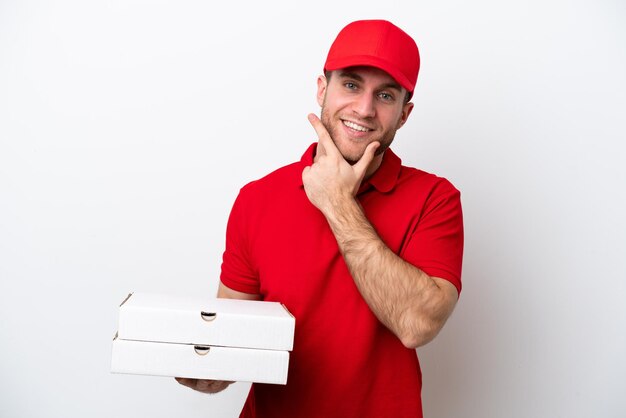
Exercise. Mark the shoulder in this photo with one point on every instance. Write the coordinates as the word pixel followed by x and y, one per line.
pixel 272 189
pixel 284 177
pixel 414 180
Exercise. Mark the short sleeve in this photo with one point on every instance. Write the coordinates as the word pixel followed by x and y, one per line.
pixel 238 272
pixel 436 244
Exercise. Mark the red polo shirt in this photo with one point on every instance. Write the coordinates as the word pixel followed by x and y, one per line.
pixel 345 363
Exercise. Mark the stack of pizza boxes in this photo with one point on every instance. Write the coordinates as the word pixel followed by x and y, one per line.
pixel 203 338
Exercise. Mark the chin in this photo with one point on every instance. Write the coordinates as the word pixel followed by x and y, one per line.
pixel 351 153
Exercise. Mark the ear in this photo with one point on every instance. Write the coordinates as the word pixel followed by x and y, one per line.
pixel 321 89
pixel 407 108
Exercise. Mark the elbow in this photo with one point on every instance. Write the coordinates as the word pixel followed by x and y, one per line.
pixel 411 342
pixel 421 331
pixel 420 337
pixel 422 324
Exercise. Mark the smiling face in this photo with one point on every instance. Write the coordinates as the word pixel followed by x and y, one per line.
pixel 361 105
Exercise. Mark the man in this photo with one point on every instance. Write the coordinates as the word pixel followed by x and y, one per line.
pixel 364 252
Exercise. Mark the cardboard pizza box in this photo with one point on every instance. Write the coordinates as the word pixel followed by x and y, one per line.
pixel 200 362
pixel 206 321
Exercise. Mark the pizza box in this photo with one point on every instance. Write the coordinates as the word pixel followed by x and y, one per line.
pixel 206 321
pixel 199 361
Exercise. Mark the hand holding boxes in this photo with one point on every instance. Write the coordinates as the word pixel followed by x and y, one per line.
pixel 203 338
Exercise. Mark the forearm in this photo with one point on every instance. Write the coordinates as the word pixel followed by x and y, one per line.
pixel 404 298
pixel 413 305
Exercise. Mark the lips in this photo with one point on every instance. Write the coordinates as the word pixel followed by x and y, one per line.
pixel 355 126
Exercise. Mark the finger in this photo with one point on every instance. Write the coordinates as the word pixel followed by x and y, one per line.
pixel 325 140
pixel 220 386
pixel 361 166
pixel 203 385
pixel 185 382
pixel 305 174
pixel 211 386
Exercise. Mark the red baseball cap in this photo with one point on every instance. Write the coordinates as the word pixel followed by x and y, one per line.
pixel 376 43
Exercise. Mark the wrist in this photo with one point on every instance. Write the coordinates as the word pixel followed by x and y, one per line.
pixel 341 210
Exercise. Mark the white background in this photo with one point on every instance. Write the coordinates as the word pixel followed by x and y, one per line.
pixel 127 128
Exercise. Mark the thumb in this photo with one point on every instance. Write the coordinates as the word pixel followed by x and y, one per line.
pixel 360 168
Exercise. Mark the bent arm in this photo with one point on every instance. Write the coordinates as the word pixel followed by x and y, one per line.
pixel 412 304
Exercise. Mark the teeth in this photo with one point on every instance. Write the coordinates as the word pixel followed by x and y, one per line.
pixel 354 126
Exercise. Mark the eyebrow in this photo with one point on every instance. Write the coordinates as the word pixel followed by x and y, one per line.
pixel 357 77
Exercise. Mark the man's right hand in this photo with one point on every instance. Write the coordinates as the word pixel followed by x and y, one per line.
pixel 203 385
pixel 215 386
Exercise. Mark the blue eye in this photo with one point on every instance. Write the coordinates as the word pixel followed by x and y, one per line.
pixel 385 96
pixel 350 85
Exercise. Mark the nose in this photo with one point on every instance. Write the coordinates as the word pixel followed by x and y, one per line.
pixel 363 106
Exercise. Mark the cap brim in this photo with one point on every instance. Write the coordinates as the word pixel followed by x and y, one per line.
pixel 369 61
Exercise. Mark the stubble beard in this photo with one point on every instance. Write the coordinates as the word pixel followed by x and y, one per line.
pixel 385 140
